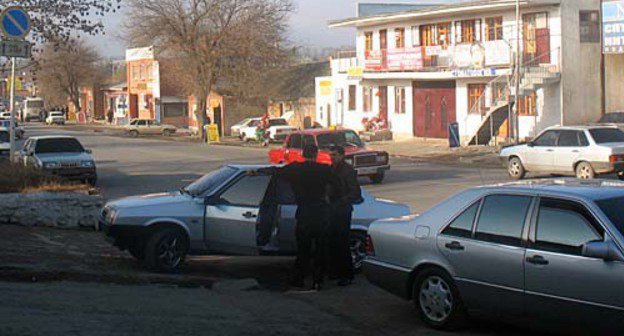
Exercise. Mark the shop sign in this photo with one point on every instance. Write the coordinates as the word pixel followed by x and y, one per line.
pixel 373 60
pixel 405 59
pixel 613 26
pixel 460 73
pixel 355 72
pixel 325 88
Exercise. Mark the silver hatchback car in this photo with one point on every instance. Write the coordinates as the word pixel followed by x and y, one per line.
pixel 549 251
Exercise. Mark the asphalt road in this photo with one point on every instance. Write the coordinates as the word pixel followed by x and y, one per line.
pixel 135 166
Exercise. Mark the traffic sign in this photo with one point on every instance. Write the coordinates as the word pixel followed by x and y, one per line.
pixel 15 22
pixel 19 49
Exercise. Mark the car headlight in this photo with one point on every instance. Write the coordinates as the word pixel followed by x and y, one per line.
pixel 51 165
pixel 382 158
pixel 87 164
pixel 111 215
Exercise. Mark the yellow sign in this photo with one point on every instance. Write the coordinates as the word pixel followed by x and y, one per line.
pixel 213 133
pixel 356 71
pixel 214 103
pixel 325 88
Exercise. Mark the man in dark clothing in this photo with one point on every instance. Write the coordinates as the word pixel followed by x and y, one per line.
pixel 345 192
pixel 310 182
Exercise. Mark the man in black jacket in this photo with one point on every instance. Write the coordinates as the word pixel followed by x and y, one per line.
pixel 310 182
pixel 345 192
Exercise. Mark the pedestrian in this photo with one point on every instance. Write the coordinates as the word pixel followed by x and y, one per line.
pixel 110 116
pixel 310 182
pixel 344 193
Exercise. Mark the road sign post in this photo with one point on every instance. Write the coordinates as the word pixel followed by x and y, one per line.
pixel 15 25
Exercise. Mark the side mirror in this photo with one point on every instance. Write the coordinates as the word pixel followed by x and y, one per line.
pixel 599 250
pixel 88 151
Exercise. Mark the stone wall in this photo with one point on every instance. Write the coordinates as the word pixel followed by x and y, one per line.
pixel 63 210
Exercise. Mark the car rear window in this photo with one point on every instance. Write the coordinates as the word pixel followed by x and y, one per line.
pixel 607 135
pixel 58 146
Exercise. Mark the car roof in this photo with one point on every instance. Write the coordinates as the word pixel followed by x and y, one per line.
pixel 592 189
pixel 251 166
pixel 45 137
pixel 317 131
pixel 580 127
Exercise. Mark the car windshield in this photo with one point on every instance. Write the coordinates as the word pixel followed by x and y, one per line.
pixel 34 104
pixel 607 135
pixel 348 138
pixel 4 136
pixel 612 207
pixel 67 145
pixel 278 122
pixel 210 181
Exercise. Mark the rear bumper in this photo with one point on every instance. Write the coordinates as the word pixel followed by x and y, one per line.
pixel 607 167
pixel 280 137
pixel 374 170
pixel 394 279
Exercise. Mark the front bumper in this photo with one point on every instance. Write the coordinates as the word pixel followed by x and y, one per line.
pixel 73 173
pixel 121 236
pixel 374 170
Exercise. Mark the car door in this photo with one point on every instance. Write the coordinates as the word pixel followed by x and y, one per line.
pixel 142 127
pixel 539 155
pixel 294 149
pixel 231 220
pixel 484 245
pixel 569 149
pixel 561 284
pixel 153 127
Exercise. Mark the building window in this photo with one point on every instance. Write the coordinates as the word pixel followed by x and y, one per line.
pixel 399 38
pixel 367 96
pixel 399 100
pixel 476 99
pixel 352 97
pixel 428 35
pixel 368 38
pixel 494 28
pixel 468 31
pixel 443 33
pixel 135 72
pixel 175 110
pixel 590 26
pixel 415 36
pixel 527 105
pixel 141 71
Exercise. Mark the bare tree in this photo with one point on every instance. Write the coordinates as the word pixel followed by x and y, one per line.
pixel 215 40
pixel 64 70
pixel 55 20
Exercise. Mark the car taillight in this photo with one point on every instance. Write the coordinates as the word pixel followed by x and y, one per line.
pixel 370 248
pixel 616 158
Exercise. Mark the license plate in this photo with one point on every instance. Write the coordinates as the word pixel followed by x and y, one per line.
pixel 367 171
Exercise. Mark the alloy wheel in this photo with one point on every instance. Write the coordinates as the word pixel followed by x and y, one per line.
pixel 170 252
pixel 436 299
pixel 358 252
pixel 514 168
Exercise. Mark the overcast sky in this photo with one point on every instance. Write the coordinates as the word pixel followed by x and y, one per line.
pixel 308 25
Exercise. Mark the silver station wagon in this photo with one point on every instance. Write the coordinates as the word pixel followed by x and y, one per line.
pixel 549 252
pixel 227 211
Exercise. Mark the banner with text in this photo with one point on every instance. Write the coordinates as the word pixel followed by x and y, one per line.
pixel 613 26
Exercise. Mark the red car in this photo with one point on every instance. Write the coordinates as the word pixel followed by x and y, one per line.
pixel 366 161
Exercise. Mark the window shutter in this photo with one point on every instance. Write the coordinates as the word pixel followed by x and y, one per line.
pixel 415 36
pixel 478 29
pixel 458 32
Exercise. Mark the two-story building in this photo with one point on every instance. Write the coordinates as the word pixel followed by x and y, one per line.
pixel 418 71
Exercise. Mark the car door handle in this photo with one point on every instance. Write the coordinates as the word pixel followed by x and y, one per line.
pixel 550 150
pixel 249 214
pixel 537 260
pixel 455 246
pixel 575 151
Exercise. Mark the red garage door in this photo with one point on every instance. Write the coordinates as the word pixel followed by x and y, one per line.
pixel 434 108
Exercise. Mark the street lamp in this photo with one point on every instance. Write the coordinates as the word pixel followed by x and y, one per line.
pixel 516 119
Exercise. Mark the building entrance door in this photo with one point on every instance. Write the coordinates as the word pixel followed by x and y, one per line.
pixel 434 108
pixel 134 106
pixel 383 103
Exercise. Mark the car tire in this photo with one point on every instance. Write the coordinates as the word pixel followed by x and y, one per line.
pixel 166 249
pixel 133 134
pixel 515 168
pixel 377 178
pixel 437 300
pixel 357 245
pixel 166 132
pixel 584 171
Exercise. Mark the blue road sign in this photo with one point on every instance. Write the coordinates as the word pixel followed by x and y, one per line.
pixel 15 22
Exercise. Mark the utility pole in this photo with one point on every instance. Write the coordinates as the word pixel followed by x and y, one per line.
pixel 12 102
pixel 516 119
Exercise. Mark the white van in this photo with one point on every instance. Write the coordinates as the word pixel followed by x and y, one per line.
pixel 33 107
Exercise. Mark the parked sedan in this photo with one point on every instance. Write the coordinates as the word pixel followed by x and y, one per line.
pixel 549 251
pixel 19 130
pixel 227 211
pixel 235 130
pixel 583 151
pixel 138 127
pixel 55 117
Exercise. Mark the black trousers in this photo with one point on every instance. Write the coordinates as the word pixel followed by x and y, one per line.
pixel 312 245
pixel 341 264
